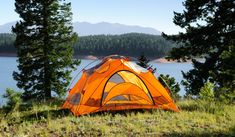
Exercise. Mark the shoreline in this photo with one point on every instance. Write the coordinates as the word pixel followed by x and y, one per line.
pixel 8 55
pixel 163 60
pixel 92 57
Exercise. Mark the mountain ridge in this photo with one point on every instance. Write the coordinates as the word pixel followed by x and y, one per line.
pixel 106 28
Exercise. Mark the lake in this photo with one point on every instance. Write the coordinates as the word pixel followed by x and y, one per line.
pixel 9 64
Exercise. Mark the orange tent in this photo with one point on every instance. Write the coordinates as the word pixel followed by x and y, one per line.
pixel 117 84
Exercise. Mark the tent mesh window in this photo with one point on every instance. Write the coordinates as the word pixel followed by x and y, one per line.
pixel 116 78
pixel 120 98
pixel 75 99
pixel 125 77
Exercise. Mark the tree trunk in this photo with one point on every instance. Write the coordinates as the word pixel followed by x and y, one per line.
pixel 46 49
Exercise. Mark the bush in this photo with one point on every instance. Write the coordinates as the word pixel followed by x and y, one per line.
pixel 13 100
pixel 170 83
pixel 225 95
pixel 207 92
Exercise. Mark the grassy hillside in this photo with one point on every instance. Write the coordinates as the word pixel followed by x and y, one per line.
pixel 196 118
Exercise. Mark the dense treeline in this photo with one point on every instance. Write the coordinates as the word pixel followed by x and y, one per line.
pixel 132 44
pixel 6 43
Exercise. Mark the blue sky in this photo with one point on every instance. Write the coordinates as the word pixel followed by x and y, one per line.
pixel 157 14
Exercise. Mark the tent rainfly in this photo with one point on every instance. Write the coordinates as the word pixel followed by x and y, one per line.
pixel 117 84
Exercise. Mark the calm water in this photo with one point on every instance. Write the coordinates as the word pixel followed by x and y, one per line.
pixel 9 64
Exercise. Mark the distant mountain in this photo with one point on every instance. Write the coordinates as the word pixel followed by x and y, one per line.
pixel 86 28
pixel 6 28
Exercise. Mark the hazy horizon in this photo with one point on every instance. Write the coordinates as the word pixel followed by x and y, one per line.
pixel 151 13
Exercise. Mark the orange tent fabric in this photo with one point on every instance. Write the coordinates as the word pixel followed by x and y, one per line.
pixel 117 84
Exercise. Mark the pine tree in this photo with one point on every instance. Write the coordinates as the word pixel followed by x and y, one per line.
pixel 210 34
pixel 44 39
pixel 143 61
pixel 169 83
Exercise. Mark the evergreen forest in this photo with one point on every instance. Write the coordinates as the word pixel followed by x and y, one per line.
pixel 131 44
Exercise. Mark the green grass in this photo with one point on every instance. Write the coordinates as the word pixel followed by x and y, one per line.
pixel 196 118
